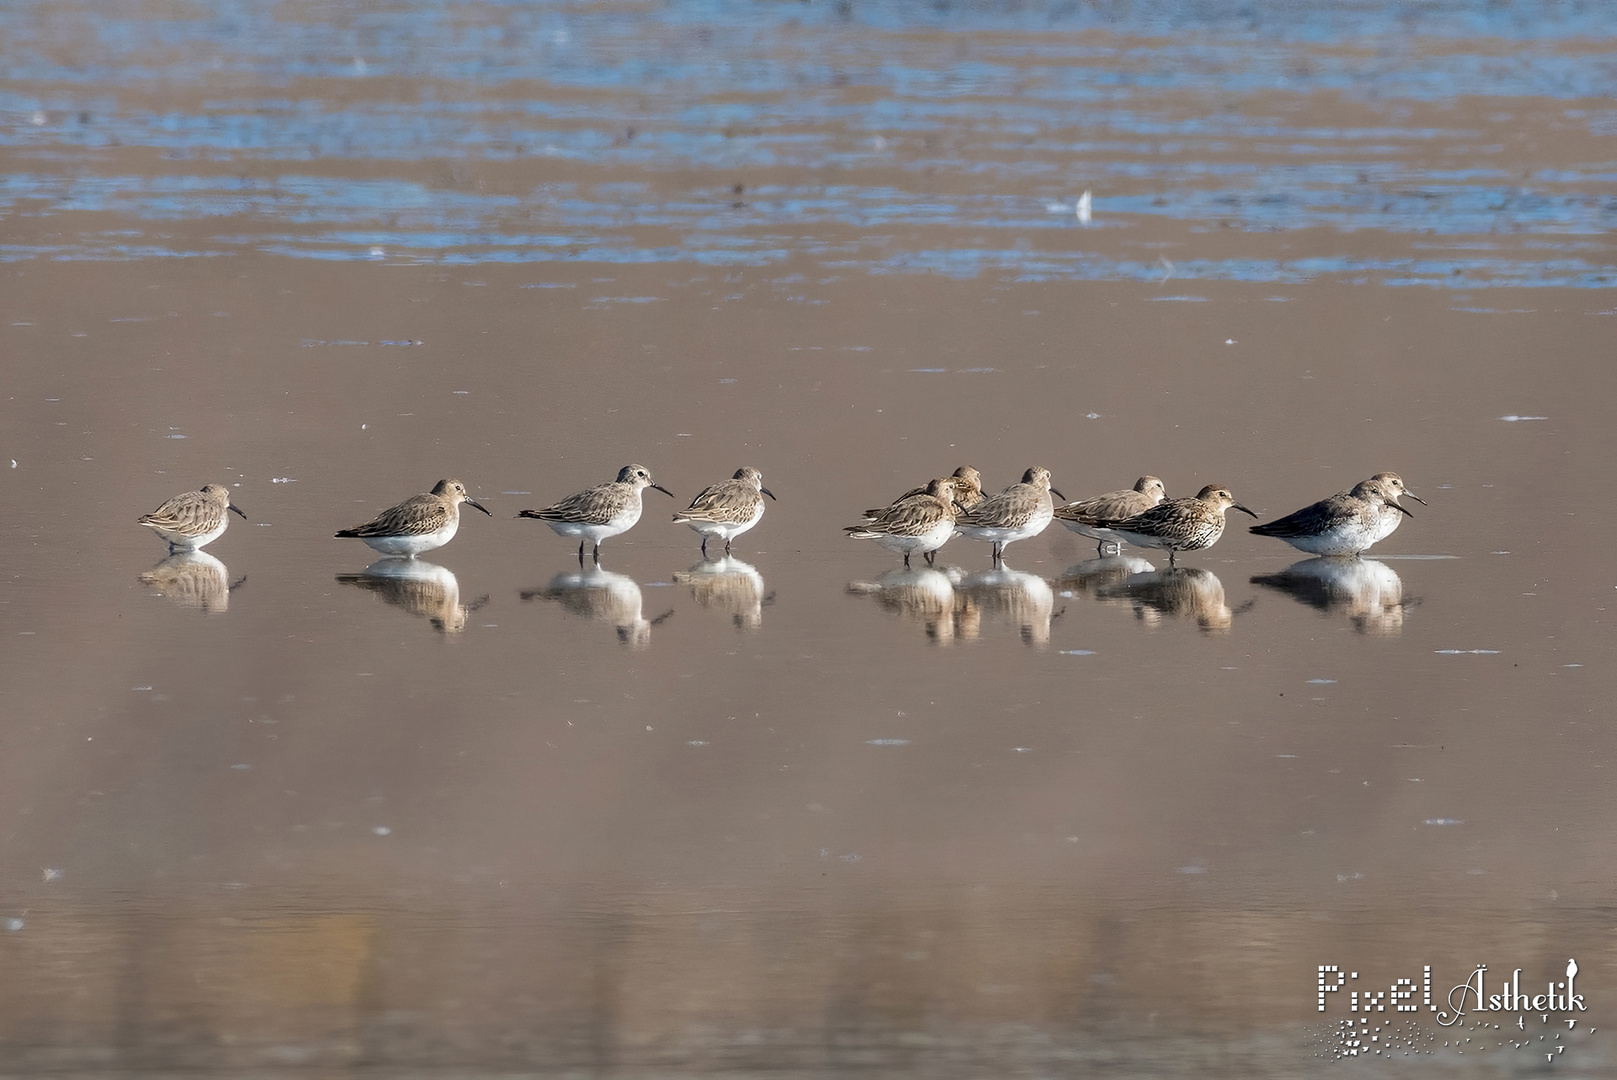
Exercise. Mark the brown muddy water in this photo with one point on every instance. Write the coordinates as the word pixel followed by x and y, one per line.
pixel 795 813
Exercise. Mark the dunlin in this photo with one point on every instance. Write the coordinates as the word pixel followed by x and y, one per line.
pixel 968 492
pixel 193 520
pixel 419 523
pixel 601 511
pixel 1081 516
pixel 1346 523
pixel 1179 524
pixel 727 509
pixel 923 522
pixel 1020 511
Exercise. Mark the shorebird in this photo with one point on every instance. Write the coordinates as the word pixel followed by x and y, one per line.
pixel 727 509
pixel 419 523
pixel 1081 516
pixel 1179 524
pixel 1020 511
pixel 193 520
pixel 922 522
pixel 968 492
pixel 1346 523
pixel 601 511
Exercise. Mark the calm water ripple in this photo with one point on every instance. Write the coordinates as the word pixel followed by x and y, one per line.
pixel 465 132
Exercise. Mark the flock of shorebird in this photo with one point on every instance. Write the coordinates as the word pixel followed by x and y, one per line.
pixel 918 522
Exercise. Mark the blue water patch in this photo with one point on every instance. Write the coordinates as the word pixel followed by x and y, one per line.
pixel 884 136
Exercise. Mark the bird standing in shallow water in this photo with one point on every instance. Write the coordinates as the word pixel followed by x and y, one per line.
pixel 601 511
pixel 1081 516
pixel 1179 524
pixel 419 523
pixel 1346 523
pixel 1017 513
pixel 922 523
pixel 727 509
pixel 193 520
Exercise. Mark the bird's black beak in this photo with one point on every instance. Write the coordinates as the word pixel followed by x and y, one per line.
pixel 1244 510
pixel 1400 509
pixel 1058 494
pixel 771 494
pixel 237 509
pixel 1414 496
pixel 662 489
pixel 480 506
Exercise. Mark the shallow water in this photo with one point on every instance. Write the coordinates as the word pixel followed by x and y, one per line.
pixel 282 807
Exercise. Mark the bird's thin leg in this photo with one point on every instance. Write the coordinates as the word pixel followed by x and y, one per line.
pixel 581 544
pixel 727 549
pixel 596 554
pixel 1171 554
pixel 932 557
pixel 906 560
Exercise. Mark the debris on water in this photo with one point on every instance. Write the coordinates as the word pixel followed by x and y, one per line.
pixel 1513 418
pixel 51 873
pixel 14 925
pixel 1467 652
pixel 381 830
pixel 1085 204
pixel 241 767
pixel 1321 682
pixel 1194 868
pixel 696 742
pixel 887 742
pixel 282 480
pixel 1444 821
pixel 1075 652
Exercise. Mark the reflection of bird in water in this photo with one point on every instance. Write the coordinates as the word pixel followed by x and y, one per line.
pixel 924 596
pixel 418 587
pixel 729 585
pixel 1005 595
pixel 1345 523
pixel 1092 575
pixel 1188 592
pixel 1367 591
pixel 603 596
pixel 1081 516
pixel 192 579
